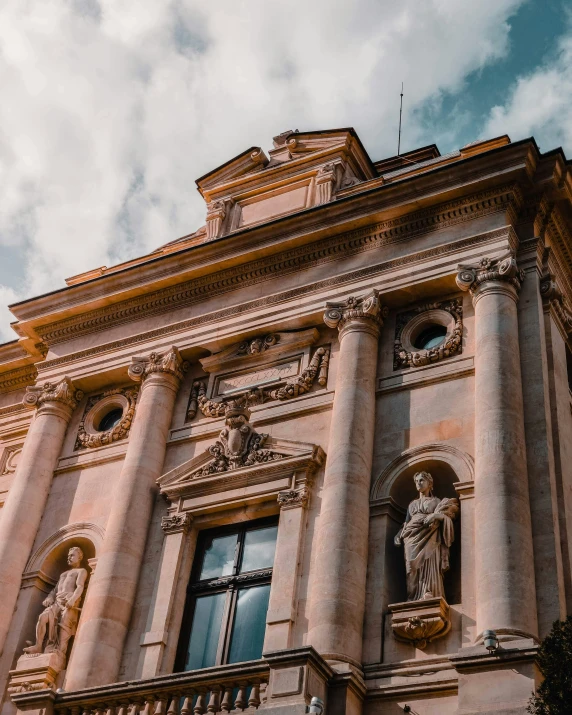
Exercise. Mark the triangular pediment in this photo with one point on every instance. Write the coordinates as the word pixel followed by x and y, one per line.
pixel 285 458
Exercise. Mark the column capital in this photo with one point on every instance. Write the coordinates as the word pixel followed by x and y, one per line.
pixel 366 312
pixel 471 277
pixel 168 363
pixel 62 393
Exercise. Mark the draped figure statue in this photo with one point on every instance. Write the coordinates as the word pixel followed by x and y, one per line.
pixel 426 535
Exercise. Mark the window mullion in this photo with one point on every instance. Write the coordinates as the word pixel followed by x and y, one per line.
pixel 226 620
pixel 231 600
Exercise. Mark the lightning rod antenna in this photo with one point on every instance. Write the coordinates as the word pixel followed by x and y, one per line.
pixel 400 113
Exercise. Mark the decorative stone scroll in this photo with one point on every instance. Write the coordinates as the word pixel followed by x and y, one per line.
pixel 326 180
pixel 339 314
pixel 169 362
pixel 552 294
pixel 88 436
pixel 505 268
pixel 238 444
pixel 294 498
pixel 317 368
pixel 448 313
pixel 216 213
pixel 63 392
pixel 175 523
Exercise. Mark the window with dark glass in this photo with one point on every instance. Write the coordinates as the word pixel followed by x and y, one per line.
pixel 227 597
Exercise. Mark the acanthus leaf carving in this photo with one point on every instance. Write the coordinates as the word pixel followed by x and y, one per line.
pixel 470 277
pixel 294 498
pixel 63 392
pixel 368 307
pixel 169 362
pixel 174 523
pixel 238 445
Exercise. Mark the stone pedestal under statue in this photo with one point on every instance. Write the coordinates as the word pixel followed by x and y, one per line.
pixel 36 671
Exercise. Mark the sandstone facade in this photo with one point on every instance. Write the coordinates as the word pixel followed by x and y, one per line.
pixel 228 430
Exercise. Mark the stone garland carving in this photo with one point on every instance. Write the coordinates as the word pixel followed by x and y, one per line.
pixel 293 498
pixel 368 307
pixel 318 367
pixel 402 358
pixel 86 439
pixel 174 523
pixel 504 268
pixel 58 621
pixel 169 362
pixel 238 444
pixel 62 391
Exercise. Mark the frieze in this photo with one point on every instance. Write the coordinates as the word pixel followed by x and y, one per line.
pixel 18 378
pixel 362 273
pixel 304 257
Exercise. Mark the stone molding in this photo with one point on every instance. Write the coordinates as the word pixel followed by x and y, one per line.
pixel 62 392
pixel 7 464
pixel 316 253
pixel 177 523
pixel 81 529
pixel 404 357
pixel 366 310
pixel 490 270
pixel 18 378
pixel 88 437
pixel 552 296
pixel 294 498
pixel 295 293
pixel 167 363
pixel 293 387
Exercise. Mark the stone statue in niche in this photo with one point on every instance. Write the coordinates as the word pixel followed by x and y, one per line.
pixel 58 621
pixel 426 535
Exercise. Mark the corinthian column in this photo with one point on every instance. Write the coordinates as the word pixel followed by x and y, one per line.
pixel 339 580
pixel 504 564
pixel 97 652
pixel 28 494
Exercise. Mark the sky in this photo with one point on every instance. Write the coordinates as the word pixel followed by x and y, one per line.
pixel 111 109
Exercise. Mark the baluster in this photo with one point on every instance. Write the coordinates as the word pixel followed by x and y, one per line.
pixel 174 706
pixel 240 701
pixel 135 707
pixel 187 704
pixel 254 699
pixel 122 708
pixel 99 709
pixel 160 707
pixel 148 709
pixel 111 710
pixel 200 705
pixel 226 704
pixel 214 701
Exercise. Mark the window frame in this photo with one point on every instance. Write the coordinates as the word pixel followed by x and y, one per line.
pixel 230 585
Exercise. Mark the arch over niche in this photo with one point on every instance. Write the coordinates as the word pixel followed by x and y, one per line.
pixel 454 464
pixel 50 556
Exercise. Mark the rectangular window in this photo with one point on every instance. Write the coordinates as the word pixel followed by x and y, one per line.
pixel 227 597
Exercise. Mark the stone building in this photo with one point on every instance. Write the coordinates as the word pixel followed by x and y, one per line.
pixel 321 447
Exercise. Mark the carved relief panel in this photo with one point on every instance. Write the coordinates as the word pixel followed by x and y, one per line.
pixel 275 366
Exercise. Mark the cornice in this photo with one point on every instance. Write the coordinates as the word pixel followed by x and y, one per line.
pixel 293 260
pixel 369 271
pixel 18 378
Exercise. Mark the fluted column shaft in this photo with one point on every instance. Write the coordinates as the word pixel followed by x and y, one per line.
pixel 339 579
pixel 504 564
pixel 28 494
pixel 97 652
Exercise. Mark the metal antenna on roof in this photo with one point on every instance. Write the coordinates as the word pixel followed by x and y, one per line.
pixel 400 113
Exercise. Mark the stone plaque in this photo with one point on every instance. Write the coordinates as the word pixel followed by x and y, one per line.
pixel 264 375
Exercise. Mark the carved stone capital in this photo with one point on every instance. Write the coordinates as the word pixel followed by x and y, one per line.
pixel 326 180
pixel 62 392
pixel 175 523
pixel 216 213
pixel 364 310
pixel 169 363
pixel 497 270
pixel 294 498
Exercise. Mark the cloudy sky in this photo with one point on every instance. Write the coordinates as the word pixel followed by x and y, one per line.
pixel 111 109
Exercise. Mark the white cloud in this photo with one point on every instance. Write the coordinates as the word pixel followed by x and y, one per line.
pixel 112 108
pixel 540 103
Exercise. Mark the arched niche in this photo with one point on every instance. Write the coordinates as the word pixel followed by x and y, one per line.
pixel 391 493
pixel 45 566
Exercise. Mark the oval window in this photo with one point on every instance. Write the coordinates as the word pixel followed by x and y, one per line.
pixel 111 419
pixel 430 337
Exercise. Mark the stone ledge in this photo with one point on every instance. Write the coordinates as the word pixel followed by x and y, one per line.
pixel 449 369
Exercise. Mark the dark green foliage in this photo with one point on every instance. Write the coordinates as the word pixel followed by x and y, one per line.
pixel 554 696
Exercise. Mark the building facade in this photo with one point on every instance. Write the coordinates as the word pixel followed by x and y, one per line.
pixel 320 448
